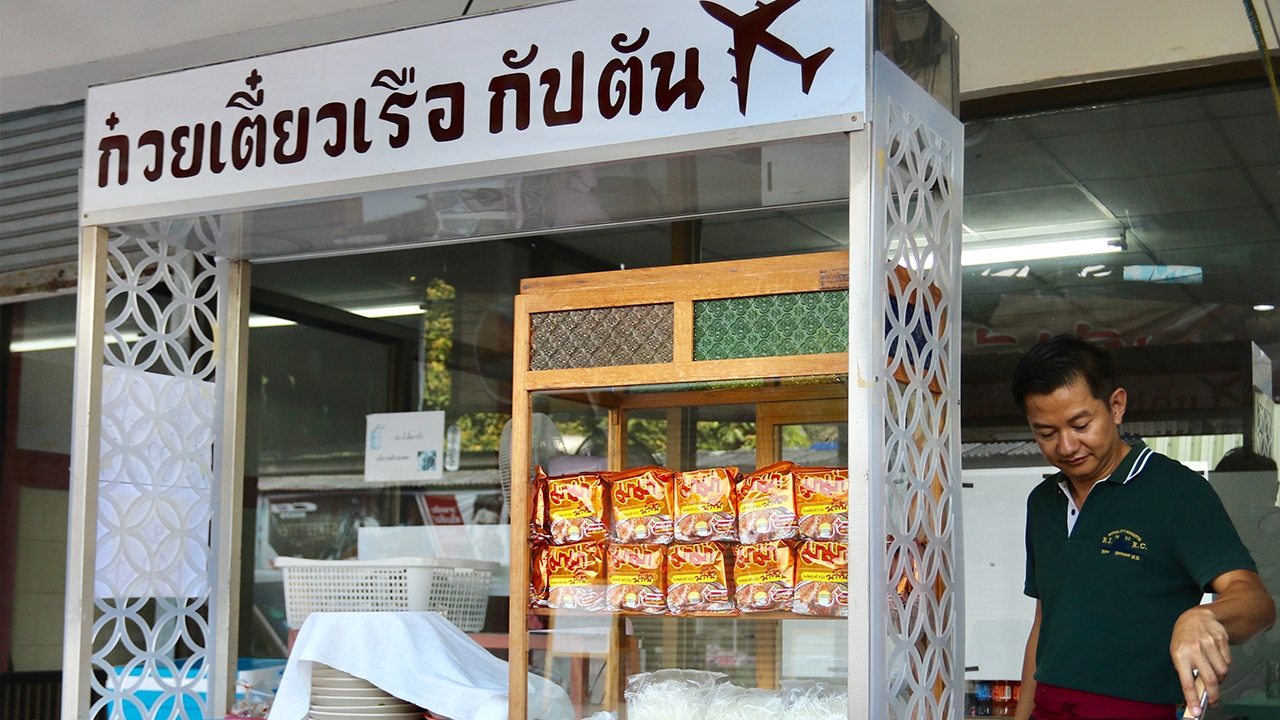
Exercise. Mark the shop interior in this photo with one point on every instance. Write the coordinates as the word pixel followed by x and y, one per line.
pixel 1141 225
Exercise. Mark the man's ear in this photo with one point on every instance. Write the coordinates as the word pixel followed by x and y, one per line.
pixel 1119 402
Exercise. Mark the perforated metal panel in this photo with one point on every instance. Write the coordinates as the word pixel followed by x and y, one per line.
pixel 39 185
pixel 602 337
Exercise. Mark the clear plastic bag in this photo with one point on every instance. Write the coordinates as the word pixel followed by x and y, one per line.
pixel 812 700
pixel 671 694
pixel 729 702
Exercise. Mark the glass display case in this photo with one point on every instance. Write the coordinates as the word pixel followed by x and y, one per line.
pixel 679 370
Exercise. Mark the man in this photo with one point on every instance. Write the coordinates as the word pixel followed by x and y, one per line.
pixel 1121 544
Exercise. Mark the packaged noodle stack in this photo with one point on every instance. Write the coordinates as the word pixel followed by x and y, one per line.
pixel 700 542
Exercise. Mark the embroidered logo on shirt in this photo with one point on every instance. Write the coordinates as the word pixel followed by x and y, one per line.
pixel 1124 543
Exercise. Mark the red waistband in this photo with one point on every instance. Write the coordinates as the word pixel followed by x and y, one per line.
pixel 1056 703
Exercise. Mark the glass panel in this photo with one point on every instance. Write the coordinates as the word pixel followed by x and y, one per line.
pixel 1151 229
pixel 760 651
pixel 789 173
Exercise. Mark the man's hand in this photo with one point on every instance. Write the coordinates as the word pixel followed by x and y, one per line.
pixel 1200 642
pixel 1200 637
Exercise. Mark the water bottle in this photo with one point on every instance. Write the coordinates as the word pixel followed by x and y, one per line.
pixel 452 447
pixel 984 699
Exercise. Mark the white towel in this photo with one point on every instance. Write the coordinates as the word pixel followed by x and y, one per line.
pixel 419 657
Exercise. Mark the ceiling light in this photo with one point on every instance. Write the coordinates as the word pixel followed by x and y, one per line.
pixel 1264 307
pixel 266 321
pixel 991 252
pixel 62 343
pixel 387 311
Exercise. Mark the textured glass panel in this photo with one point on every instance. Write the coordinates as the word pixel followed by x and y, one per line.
pixel 771 325
pixel 628 335
pixel 917 241
pixel 157 482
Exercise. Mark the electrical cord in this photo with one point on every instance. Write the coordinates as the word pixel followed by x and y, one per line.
pixel 1256 26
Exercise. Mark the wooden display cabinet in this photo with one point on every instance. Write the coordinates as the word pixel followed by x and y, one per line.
pixel 571 346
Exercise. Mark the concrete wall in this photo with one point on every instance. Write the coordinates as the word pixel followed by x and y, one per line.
pixel 51 50
pixel 1024 44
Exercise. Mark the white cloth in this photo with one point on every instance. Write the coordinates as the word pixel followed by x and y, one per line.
pixel 419 657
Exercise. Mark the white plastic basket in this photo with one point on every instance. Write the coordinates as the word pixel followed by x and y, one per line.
pixel 457 589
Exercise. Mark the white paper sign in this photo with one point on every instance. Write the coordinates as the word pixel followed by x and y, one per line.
pixel 402 447
pixel 534 82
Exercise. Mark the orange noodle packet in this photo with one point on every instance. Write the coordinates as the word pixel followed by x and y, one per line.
pixel 538 587
pixel 767 505
pixel 822 579
pixel 637 578
pixel 641 505
pixel 822 503
pixel 706 507
pixel 538 525
pixel 698 580
pixel 576 508
pixel 765 576
pixel 575 576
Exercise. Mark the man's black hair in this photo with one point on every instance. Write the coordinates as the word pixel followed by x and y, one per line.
pixel 1059 362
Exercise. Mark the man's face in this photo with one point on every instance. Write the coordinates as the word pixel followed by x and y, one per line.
pixel 1077 432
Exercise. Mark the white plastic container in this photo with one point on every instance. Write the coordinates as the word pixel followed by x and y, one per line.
pixel 457 589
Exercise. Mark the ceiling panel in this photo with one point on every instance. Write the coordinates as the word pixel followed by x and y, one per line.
pixel 1254 101
pixel 1206 229
pixel 1008 166
pixel 1206 190
pixel 1129 116
pixel 1139 153
pixel 1255 138
pixel 1029 207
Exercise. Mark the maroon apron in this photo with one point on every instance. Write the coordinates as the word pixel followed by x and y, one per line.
pixel 1056 703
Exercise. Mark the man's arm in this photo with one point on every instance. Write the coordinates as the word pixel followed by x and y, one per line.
pixel 1027 693
pixel 1202 634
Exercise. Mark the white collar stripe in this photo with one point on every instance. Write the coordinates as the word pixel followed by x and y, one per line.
pixel 1140 464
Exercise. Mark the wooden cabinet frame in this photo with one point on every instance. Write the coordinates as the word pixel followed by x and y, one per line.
pixel 605 386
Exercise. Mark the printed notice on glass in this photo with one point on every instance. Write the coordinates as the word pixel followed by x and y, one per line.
pixel 404 447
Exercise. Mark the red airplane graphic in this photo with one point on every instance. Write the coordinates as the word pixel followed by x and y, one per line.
pixel 750 31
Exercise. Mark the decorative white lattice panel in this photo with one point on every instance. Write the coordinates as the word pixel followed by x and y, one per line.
pixel 916 203
pixel 156 487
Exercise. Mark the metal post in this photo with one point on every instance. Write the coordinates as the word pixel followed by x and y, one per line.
pixel 233 318
pixel 865 365
pixel 82 522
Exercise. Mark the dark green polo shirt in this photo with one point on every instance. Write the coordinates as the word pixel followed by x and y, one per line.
pixel 1146 544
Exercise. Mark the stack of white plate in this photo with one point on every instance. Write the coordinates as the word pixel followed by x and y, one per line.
pixel 335 695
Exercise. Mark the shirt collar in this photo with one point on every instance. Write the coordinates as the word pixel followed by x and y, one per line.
pixel 1134 462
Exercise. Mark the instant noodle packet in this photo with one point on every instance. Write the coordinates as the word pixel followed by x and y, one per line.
pixel 822 579
pixel 767 505
pixel 706 507
pixel 822 503
pixel 576 508
pixel 765 576
pixel 575 576
pixel 538 586
pixel 538 525
pixel 641 505
pixel 637 578
pixel 698 580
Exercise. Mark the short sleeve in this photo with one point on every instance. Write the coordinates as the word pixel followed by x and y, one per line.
pixel 1206 542
pixel 1029 587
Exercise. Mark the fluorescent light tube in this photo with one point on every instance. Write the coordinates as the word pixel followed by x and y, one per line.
pixel 989 252
pixel 387 311
pixel 62 343
pixel 266 321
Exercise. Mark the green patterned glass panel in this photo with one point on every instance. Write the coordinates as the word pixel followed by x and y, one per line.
pixel 771 325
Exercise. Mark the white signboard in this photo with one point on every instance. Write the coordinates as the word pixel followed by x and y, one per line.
pixel 536 82
pixel 403 447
